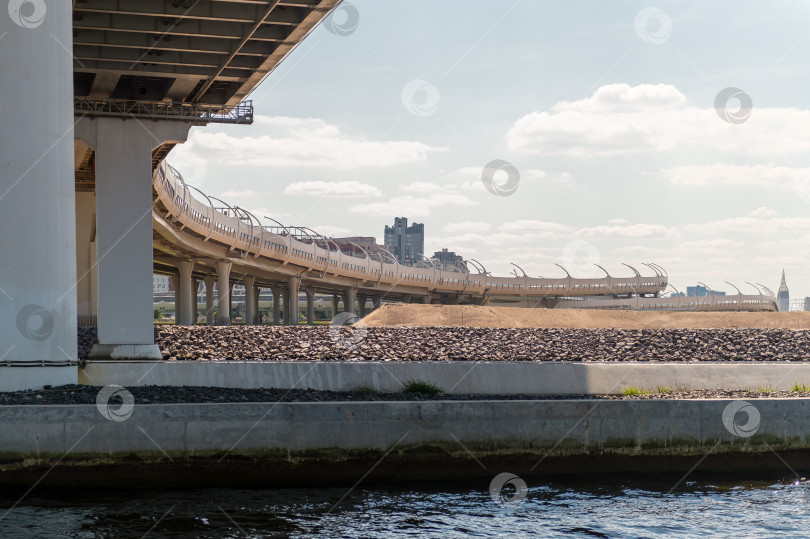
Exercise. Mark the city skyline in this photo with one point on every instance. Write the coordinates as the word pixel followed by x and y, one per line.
pixel 622 158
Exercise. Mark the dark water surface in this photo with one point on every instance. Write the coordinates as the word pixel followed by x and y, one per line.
pixel 604 508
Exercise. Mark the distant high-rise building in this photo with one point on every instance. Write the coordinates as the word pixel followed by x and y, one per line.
pixel 449 259
pixel 700 290
pixel 783 295
pixel 807 304
pixel 405 242
pixel 367 243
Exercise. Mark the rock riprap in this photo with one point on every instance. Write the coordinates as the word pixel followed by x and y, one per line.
pixel 326 343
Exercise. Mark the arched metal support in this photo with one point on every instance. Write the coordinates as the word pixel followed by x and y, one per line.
pixel 632 268
pixel 603 269
pixel 663 271
pixel 288 254
pixel 739 296
pixel 652 267
pixel 766 289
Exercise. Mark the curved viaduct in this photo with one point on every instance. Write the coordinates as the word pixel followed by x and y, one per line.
pixel 198 237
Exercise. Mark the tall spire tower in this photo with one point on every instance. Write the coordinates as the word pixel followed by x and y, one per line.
pixel 783 295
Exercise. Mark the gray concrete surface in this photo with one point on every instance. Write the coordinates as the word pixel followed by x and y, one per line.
pixel 457 377
pixel 290 436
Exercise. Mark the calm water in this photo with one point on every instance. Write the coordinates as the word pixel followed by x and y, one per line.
pixel 604 509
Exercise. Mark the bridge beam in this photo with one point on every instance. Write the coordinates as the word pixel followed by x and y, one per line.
pixel 37 205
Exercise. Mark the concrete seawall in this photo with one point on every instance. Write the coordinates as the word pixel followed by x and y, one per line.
pixel 457 377
pixel 298 443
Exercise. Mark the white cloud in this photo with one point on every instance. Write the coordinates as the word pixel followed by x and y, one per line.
pixel 621 119
pixel 466 226
pixel 411 205
pixel 762 212
pixel 248 193
pixel 640 230
pixel 422 187
pixel 350 189
pixel 301 142
pixel 721 174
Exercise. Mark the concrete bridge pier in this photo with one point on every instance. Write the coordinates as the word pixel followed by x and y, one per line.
pixel 276 304
pixel 349 296
pixel 223 292
pixel 123 167
pixel 183 294
pixel 250 299
pixel 37 204
pixel 335 302
pixel 310 305
pixel 362 299
pixel 195 308
pixel 291 313
pixel 209 281
pixel 376 301
pixel 257 315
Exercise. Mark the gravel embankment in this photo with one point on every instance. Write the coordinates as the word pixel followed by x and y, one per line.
pixel 295 343
pixel 171 395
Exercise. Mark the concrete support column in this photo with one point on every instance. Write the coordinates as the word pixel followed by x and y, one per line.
pixel 349 296
pixel 37 189
pixel 183 310
pixel 230 301
pixel 361 301
pixel 224 293
pixel 426 300
pixel 285 295
pixel 124 230
pixel 276 304
pixel 406 298
pixel 209 281
pixel 258 315
pixel 335 301
pixel 376 301
pixel 250 300
pixel 86 275
pixel 195 309
pixel 310 305
pixel 294 284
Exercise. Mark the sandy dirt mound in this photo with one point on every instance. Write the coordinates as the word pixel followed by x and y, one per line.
pixel 516 317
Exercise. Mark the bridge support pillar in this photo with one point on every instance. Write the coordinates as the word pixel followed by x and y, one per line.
pixel 124 230
pixel 209 281
pixel 349 296
pixel 285 299
pixel 250 300
pixel 292 303
pixel 335 301
pixel 224 293
pixel 276 304
pixel 258 314
pixel 183 310
pixel 361 302
pixel 376 301
pixel 310 305
pixel 86 274
pixel 426 300
pixel 37 276
pixel 195 308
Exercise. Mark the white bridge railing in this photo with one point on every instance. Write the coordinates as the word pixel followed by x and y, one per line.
pixel 216 221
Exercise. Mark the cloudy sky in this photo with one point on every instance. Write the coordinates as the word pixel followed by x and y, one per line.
pixel 670 132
